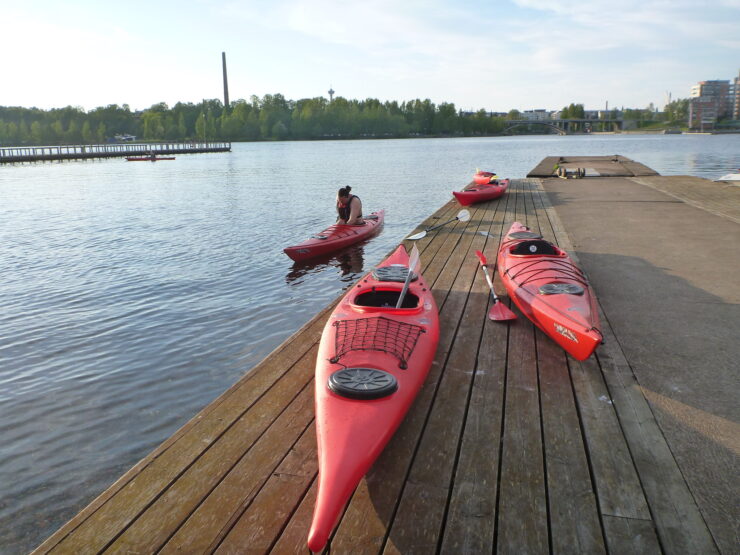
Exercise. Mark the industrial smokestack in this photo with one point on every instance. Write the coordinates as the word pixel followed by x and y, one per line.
pixel 226 81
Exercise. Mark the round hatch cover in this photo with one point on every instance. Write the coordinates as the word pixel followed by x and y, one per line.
pixel 362 383
pixel 561 288
pixel 525 235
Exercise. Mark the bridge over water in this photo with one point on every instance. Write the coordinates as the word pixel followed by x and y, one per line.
pixel 570 125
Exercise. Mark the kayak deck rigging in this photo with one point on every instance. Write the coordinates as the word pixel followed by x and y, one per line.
pixel 377 334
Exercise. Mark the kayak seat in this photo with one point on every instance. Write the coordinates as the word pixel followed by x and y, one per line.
pixel 534 247
pixel 385 299
pixel 393 273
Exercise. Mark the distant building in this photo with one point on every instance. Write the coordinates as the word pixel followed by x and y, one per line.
pixel 736 103
pixel 536 115
pixel 125 138
pixel 708 102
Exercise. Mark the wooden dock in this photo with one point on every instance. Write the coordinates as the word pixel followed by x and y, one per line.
pixel 20 154
pixel 510 447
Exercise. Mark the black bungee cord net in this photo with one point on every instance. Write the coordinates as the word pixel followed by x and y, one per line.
pixel 376 334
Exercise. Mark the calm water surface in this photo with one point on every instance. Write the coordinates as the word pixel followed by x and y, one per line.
pixel 132 295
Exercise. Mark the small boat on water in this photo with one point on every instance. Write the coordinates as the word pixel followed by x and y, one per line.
pixel 481 193
pixel 373 358
pixel 336 237
pixel 730 177
pixel 148 158
pixel 550 290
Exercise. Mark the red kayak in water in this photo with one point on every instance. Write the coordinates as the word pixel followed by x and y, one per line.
pixel 480 193
pixel 373 359
pixel 336 237
pixel 550 290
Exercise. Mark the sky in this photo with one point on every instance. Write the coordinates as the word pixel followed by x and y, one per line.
pixel 495 55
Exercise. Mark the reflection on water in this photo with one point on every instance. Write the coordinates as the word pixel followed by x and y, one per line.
pixel 132 295
pixel 349 261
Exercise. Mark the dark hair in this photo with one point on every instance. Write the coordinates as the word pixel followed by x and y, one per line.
pixel 344 191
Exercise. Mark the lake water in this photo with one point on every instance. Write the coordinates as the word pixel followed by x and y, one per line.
pixel 132 295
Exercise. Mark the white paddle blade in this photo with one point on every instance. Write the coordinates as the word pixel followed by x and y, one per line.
pixel 415 260
pixel 417 236
pixel 463 215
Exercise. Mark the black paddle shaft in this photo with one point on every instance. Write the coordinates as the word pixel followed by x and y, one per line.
pixel 440 225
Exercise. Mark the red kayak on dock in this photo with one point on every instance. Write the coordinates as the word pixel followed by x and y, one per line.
pixel 336 237
pixel 483 178
pixel 480 193
pixel 373 359
pixel 550 290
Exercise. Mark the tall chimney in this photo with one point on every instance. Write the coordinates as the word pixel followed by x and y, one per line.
pixel 226 82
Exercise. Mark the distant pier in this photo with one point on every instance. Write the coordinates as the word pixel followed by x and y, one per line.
pixel 18 154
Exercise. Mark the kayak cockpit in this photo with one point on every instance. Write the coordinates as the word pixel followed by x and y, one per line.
pixel 384 300
pixel 536 247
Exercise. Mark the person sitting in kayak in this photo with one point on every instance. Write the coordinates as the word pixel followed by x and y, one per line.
pixel 349 207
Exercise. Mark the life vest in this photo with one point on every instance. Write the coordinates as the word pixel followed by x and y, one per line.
pixel 344 209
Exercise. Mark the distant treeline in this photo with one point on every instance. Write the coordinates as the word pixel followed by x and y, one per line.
pixel 271 117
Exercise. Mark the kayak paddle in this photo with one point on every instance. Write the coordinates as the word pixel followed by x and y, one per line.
pixel 463 216
pixel 499 311
pixel 413 268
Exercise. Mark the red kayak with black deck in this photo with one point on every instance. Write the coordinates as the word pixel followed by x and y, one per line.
pixel 480 193
pixel 550 290
pixel 337 237
pixel 373 359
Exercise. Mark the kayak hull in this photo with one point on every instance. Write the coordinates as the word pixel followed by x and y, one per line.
pixel 550 290
pixel 352 432
pixel 481 193
pixel 337 237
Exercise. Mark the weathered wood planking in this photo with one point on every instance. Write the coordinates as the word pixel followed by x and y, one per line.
pixel 510 446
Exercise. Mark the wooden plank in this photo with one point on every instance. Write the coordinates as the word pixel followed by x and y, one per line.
pixel 617 482
pixel 680 526
pixel 142 483
pixel 522 507
pixel 573 509
pixel 259 527
pixel 293 537
pixel 117 508
pixel 204 501
pixel 631 536
pixel 471 515
pixel 428 485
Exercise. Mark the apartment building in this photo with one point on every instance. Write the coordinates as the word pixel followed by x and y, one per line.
pixel 708 102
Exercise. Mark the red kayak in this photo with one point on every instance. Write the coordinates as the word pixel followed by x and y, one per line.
pixel 483 178
pixel 479 193
pixel 550 290
pixel 148 158
pixel 373 359
pixel 336 237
